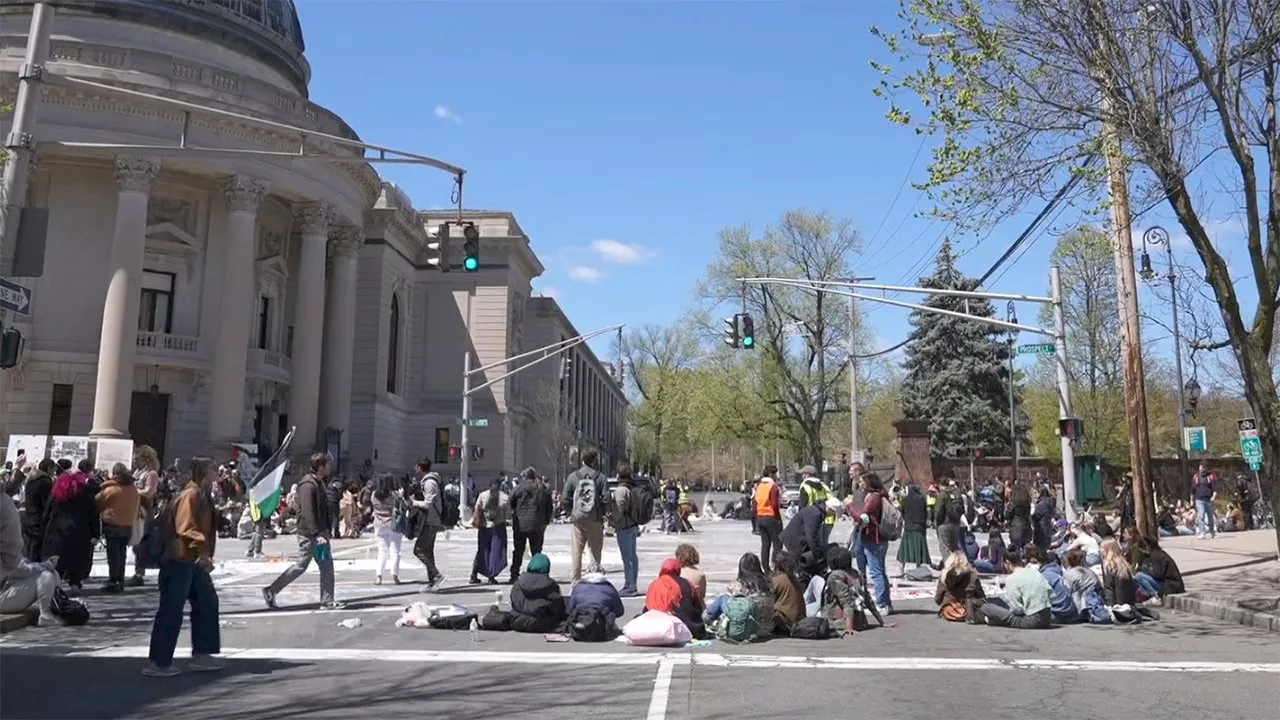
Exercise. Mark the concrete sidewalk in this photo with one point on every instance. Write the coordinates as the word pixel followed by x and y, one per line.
pixel 1233 577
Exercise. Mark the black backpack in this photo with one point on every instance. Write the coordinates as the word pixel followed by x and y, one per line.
pixel 157 533
pixel 643 498
pixel 450 508
pixel 69 610
pixel 588 624
pixel 955 509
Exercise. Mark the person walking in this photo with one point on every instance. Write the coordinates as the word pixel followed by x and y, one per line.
pixel 313 530
pixel 585 498
pixel 428 504
pixel 73 526
pixel 530 515
pixel 767 513
pixel 913 548
pixel 1204 491
pixel 118 503
pixel 146 476
pixel 388 525
pixel 184 576
pixel 625 518
pixel 37 494
pixel 490 520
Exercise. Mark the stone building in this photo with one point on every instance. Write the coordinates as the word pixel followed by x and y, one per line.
pixel 190 300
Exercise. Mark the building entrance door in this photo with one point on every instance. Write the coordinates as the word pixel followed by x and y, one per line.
pixel 149 421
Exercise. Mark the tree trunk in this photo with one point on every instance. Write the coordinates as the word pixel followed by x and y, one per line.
pixel 1260 390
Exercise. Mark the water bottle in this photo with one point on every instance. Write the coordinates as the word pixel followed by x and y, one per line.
pixel 497 599
pixel 475 630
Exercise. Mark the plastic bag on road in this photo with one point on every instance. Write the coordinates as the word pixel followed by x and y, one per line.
pixel 351 623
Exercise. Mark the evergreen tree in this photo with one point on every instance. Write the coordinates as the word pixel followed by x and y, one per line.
pixel 957 369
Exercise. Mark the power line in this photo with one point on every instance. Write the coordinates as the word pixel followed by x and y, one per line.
pixel 898 195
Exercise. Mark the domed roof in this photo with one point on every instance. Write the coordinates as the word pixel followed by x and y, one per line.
pixel 267 30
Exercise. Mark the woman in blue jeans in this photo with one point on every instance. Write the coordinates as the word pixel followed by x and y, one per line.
pixel 874 549
pixel 184 577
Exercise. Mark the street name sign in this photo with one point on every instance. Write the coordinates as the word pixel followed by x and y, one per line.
pixel 1038 349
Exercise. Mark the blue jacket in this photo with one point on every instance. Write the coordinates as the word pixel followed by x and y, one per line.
pixel 601 594
pixel 1063 606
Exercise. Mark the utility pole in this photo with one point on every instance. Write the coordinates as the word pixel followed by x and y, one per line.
pixel 854 446
pixel 1065 410
pixel 21 141
pixel 1135 383
pixel 1012 316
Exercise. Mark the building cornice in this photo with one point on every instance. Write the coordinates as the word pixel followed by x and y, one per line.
pixel 546 307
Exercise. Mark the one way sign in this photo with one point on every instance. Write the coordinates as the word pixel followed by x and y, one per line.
pixel 15 297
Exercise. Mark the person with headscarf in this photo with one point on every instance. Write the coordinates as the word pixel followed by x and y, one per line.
pixel 73 525
pixel 537 606
pixel 673 595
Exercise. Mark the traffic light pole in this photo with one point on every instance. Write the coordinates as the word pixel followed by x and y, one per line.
pixel 469 390
pixel 1058 333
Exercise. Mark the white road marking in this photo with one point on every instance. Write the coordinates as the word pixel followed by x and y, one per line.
pixel 640 657
pixel 661 690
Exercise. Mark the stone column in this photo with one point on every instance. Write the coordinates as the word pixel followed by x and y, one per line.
pixel 117 347
pixel 312 221
pixel 235 308
pixel 340 328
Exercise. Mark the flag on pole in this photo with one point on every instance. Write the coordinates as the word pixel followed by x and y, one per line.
pixel 267 483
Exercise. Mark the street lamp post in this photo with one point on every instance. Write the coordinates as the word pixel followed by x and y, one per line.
pixel 1159 236
pixel 1012 317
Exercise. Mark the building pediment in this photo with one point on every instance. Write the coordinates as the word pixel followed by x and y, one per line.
pixel 272 272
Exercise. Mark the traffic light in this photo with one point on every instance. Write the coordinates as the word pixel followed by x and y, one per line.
pixel 470 248
pixel 10 348
pixel 731 336
pixel 1071 428
pixel 747 331
pixel 438 246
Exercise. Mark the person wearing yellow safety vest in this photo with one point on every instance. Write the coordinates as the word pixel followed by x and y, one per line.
pixel 815 492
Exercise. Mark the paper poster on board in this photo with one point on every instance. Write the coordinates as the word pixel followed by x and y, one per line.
pixel 69 447
pixel 33 445
pixel 109 452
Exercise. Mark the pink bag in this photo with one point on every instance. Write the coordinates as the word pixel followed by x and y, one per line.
pixel 657 629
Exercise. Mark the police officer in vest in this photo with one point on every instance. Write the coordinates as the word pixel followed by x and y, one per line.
pixel 815 492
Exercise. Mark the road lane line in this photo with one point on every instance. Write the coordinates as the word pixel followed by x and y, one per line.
pixel 661 690
pixel 641 657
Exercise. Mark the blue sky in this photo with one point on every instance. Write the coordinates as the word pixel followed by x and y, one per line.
pixel 624 135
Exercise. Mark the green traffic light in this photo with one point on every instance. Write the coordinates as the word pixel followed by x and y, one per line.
pixel 748 342
pixel 471 264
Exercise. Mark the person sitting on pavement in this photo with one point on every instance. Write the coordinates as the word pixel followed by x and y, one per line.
pixel 1159 574
pixel 689 559
pixel 788 593
pixel 537 605
pixel 845 599
pixel 753 585
pixel 959 593
pixel 595 590
pixel 1233 521
pixel 673 595
pixel 1118 585
pixel 1064 608
pixel 1086 541
pixel 990 559
pixel 23 583
pixel 802 538
pixel 1081 581
pixel 1027 600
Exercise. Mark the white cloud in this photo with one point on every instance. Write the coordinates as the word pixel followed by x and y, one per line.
pixel 583 273
pixel 620 253
pixel 444 113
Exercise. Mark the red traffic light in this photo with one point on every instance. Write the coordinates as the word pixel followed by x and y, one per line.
pixel 979 453
pixel 455 452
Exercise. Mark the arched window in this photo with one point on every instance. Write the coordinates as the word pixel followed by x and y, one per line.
pixel 393 345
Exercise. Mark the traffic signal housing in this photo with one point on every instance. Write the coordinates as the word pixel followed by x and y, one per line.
pixel 470 247
pixel 731 336
pixel 438 247
pixel 747 332
pixel 10 348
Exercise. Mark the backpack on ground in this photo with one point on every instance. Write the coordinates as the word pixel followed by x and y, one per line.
pixel 642 501
pixel 738 624
pixel 67 609
pixel 890 520
pixel 586 504
pixel 955 509
pixel 811 628
pixel 452 622
pixel 450 508
pixel 588 624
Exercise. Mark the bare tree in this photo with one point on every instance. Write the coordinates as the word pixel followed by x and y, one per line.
pixel 803 349
pixel 1019 90
pixel 552 427
pixel 658 356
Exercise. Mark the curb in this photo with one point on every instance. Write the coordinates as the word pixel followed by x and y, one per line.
pixel 15 621
pixel 1222 610
pixel 1233 566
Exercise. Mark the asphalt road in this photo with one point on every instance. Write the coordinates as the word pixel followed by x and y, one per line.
pixel 299 662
